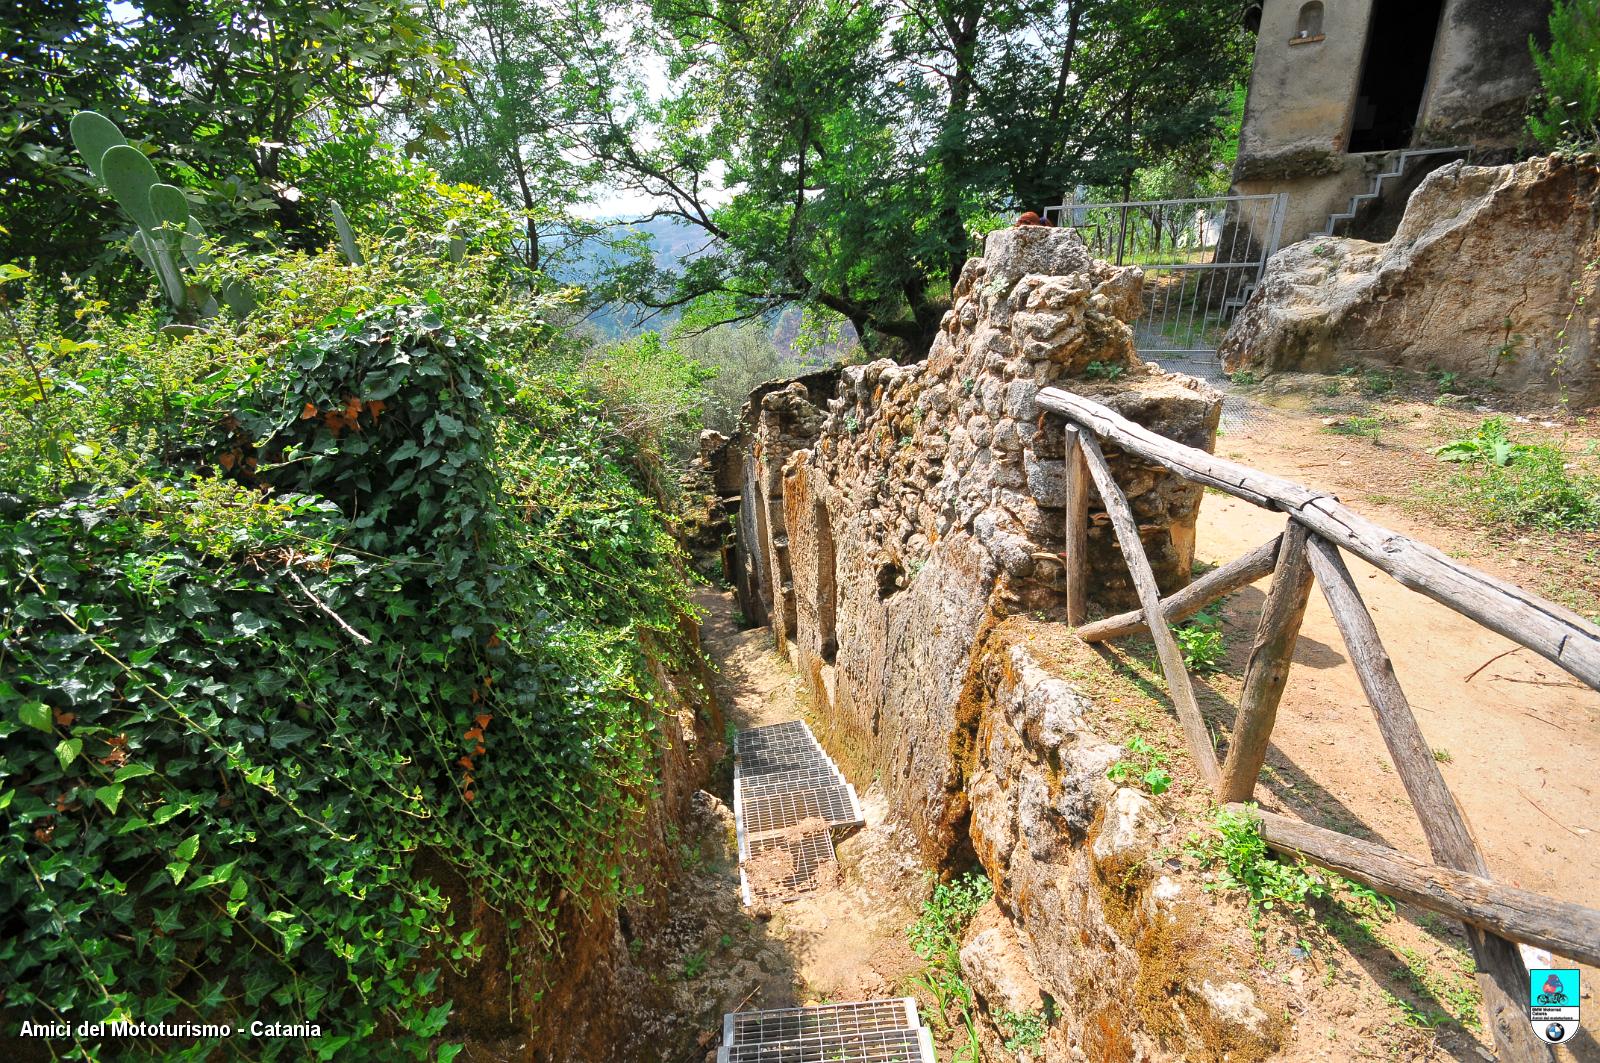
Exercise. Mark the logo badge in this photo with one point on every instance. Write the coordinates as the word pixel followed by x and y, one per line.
pixel 1553 1003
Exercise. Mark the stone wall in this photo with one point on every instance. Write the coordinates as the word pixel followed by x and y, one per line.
pixel 903 527
pixel 1487 276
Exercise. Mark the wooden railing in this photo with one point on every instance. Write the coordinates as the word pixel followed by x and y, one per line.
pixel 1457 884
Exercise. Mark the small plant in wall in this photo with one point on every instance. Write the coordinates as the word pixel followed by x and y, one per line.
pixel 1104 370
pixel 1143 764
pixel 1023 1030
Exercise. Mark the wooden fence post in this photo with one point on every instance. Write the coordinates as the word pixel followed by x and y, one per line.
pixel 1501 974
pixel 1268 670
pixel 1198 736
pixel 1181 605
pixel 1075 536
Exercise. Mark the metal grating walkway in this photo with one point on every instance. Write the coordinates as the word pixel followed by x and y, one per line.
pixel 869 1031
pixel 788 798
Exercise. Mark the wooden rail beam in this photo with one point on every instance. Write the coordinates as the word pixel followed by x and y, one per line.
pixel 1201 747
pixel 1558 634
pixel 1502 977
pixel 1268 669
pixel 1566 929
pixel 1240 572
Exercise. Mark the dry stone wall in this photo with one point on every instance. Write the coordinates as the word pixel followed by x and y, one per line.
pixel 894 517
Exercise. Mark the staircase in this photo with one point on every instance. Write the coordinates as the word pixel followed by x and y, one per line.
pixel 872 1031
pixel 1397 169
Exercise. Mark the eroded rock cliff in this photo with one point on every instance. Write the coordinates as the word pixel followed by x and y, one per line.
pixel 1491 274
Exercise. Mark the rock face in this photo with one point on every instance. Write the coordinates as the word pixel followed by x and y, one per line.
pixel 893 519
pixel 1491 275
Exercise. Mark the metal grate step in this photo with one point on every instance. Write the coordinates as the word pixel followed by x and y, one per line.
pixel 870 1031
pixel 788 796
pixel 779 1024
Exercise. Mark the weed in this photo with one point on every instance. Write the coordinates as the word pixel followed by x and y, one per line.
pixel 693 967
pixel 1453 991
pixel 852 423
pixel 1023 1030
pixel 936 937
pixel 1143 763
pixel 1444 381
pixel 1243 378
pixel 1244 864
pixel 1532 484
pixel 1369 427
pixel 1201 640
pixel 1104 370
pixel 1376 382
pixel 1411 1015
pixel 725 942
pixel 1442 756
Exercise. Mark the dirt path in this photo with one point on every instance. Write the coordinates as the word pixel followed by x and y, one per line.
pixel 1516 737
pixel 844 943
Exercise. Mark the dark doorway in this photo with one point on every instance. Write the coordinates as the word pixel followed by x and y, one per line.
pixel 1394 73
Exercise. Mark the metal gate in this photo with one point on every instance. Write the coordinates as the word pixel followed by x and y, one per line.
pixel 1202 258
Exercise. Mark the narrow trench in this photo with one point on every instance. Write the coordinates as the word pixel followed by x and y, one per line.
pixel 841 943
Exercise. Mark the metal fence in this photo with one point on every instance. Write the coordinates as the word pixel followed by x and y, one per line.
pixel 1201 258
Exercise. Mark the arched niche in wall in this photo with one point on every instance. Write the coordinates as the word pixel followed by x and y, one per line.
pixel 827 584
pixel 1308 26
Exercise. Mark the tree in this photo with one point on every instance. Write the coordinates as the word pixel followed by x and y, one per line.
pixel 1568 111
pixel 861 147
pixel 239 88
pixel 542 72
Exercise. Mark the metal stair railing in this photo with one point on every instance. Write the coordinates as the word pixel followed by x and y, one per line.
pixel 1401 165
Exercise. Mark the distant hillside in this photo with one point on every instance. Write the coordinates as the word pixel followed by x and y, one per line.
pixel 673 242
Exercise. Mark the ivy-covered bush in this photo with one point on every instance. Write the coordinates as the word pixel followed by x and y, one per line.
pixel 289 608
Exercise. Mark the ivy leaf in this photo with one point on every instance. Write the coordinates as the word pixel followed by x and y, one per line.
pixel 68 751
pixel 447 1053
pixel 35 714
pixel 188 847
pixel 221 873
pixel 132 771
pixel 110 796
pixel 177 869
pixel 164 813
pixel 285 733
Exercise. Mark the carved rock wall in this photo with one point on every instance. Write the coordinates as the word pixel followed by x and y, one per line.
pixel 894 529
pixel 1491 274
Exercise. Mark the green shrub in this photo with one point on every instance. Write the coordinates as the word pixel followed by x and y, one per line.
pixel 299 613
pixel 1104 370
pixel 1530 484
pixel 1567 113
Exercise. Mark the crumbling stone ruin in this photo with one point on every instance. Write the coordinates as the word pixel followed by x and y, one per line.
pixel 895 523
